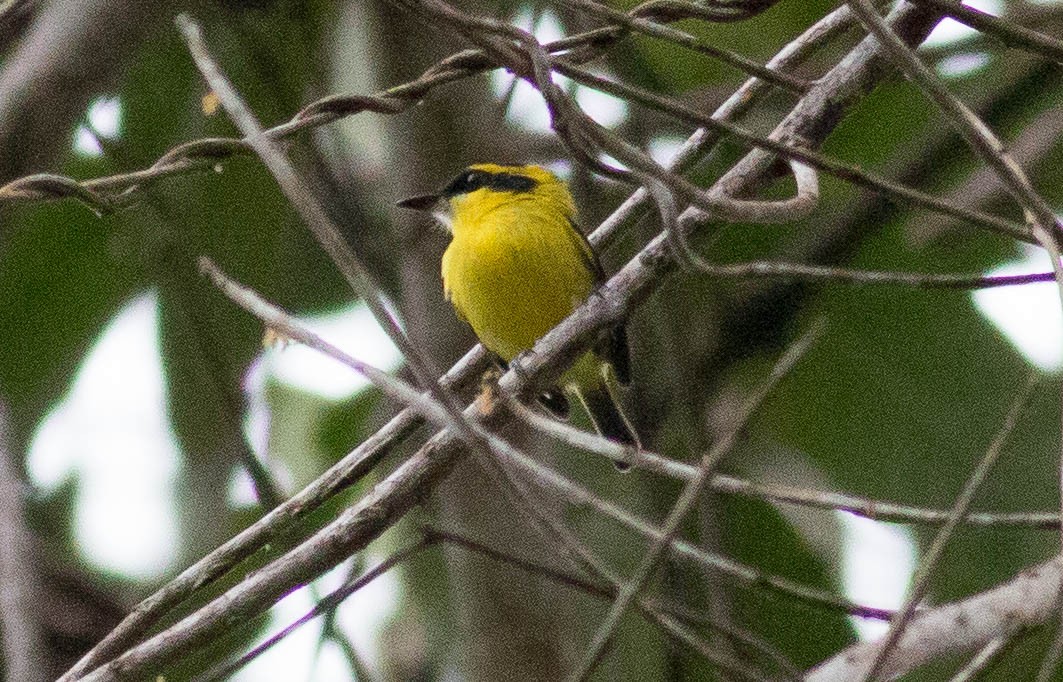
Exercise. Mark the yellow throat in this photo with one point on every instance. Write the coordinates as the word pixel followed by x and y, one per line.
pixel 516 265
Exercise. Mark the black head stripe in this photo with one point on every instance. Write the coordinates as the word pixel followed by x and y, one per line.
pixel 468 181
pixel 472 180
pixel 508 182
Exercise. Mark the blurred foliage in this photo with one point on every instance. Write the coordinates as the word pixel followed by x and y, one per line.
pixel 897 401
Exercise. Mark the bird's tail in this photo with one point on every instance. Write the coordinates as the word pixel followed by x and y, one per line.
pixel 593 383
pixel 608 420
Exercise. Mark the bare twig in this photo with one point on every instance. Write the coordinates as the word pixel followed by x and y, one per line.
pixel 276 319
pixel 312 213
pixel 1006 31
pixel 748 576
pixel 881 510
pixel 982 660
pixel 634 22
pixel 977 134
pixel 704 139
pixel 1030 147
pixel 690 494
pixel 1026 600
pixel 1052 655
pixel 921 579
pixel 351 469
pixel 206 153
pixel 812 120
pixel 651 607
pixel 821 162
pixel 836 275
pixel 354 527
pixel 325 605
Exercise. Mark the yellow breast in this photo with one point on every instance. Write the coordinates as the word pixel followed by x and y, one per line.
pixel 513 271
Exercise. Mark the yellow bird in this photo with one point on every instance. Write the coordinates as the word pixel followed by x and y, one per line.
pixel 516 266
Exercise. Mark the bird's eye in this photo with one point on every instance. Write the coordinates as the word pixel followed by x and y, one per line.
pixel 469 181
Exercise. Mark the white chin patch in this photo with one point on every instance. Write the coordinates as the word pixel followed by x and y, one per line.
pixel 444 218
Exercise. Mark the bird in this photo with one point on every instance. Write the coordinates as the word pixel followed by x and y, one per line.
pixel 517 264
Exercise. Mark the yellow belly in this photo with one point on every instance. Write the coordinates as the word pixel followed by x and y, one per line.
pixel 513 279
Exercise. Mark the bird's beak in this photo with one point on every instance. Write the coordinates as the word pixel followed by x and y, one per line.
pixel 425 202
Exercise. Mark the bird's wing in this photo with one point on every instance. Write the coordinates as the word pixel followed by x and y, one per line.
pixel 613 346
pixel 590 258
pixel 614 349
pixel 457 308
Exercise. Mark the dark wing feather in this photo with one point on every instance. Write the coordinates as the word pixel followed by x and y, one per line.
pixel 590 258
pixel 614 349
pixel 613 346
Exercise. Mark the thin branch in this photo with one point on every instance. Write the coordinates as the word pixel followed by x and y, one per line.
pixel 278 320
pixel 663 614
pixel 853 174
pixel 378 510
pixel 747 576
pixel 977 134
pixel 1008 32
pixel 921 579
pixel 352 529
pixel 1050 663
pixel 209 152
pixel 880 510
pixel 838 275
pixel 1030 147
pixel 635 22
pixel 982 660
pixel 348 471
pixel 1025 600
pixel 812 119
pixel 357 525
pixel 310 210
pixel 325 605
pixel 800 206
pixel 576 129
pixel 704 139
pixel 687 498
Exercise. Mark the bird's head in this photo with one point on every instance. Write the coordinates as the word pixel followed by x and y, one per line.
pixel 483 187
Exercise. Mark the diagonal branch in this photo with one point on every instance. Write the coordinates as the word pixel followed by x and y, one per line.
pixel 1006 31
pixel 977 134
pixel 811 121
pixel 1028 599
pixel 687 499
pixel 921 580
pixel 881 510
